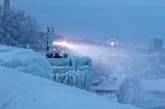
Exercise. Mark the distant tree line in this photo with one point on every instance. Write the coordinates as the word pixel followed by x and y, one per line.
pixel 20 30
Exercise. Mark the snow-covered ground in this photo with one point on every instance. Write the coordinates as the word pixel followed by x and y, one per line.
pixel 25 84
pixel 23 91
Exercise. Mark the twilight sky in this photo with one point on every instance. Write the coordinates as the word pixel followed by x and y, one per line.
pixel 132 22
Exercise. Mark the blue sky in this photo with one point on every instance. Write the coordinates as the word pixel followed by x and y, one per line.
pixel 132 22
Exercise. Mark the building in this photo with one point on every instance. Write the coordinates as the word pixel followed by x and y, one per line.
pixel 156 44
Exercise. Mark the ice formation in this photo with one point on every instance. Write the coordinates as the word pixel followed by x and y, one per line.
pixel 25 60
pixel 145 88
pixel 73 71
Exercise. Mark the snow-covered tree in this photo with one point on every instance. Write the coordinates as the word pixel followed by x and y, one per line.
pixel 21 30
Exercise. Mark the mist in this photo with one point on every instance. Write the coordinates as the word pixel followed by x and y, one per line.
pixel 113 61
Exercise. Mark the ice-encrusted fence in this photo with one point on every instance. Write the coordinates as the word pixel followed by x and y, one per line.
pixel 73 71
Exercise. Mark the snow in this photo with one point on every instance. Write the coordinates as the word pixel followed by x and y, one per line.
pixel 24 91
pixel 59 62
pixel 25 84
pixel 25 60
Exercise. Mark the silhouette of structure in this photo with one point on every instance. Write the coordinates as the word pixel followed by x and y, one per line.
pixel 156 44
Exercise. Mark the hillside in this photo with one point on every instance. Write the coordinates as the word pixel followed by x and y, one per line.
pixel 25 84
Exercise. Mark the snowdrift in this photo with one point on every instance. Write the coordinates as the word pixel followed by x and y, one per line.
pixel 23 91
pixel 25 60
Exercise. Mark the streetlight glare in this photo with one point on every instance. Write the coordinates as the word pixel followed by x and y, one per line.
pixel 63 43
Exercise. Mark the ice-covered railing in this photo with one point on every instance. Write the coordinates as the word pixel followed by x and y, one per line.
pixel 73 71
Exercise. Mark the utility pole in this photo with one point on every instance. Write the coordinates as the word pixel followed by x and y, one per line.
pixel 50 33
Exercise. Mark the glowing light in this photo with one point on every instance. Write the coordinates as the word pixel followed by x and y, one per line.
pixel 112 44
pixel 64 44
